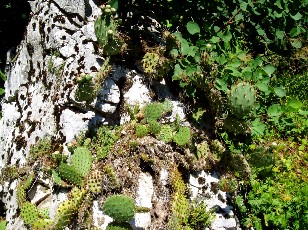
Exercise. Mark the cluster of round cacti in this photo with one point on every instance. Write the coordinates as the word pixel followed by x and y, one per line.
pixel 242 99
pixel 119 226
pixel 86 88
pixel 43 224
pixel 154 127
pixel 81 163
pixel 141 130
pixel 119 207
pixel 182 137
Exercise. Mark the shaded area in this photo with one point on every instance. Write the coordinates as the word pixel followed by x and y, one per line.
pixel 13 20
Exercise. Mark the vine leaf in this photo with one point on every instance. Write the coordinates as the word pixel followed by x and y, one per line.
pixel 193 28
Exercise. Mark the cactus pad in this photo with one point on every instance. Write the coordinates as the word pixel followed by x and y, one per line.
pixel 120 208
pixel 166 133
pixel 29 213
pixel 182 137
pixel 242 99
pixel 94 182
pixel 149 62
pixel 119 226
pixel 43 224
pixel 203 150
pixel 82 160
pixel 69 174
pixel 44 213
pixel 153 111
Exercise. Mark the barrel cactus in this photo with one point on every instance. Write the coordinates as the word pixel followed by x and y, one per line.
pixel 242 99
pixel 119 207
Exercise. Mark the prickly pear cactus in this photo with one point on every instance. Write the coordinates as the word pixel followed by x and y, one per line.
pixel 141 130
pixel 70 174
pixel 153 111
pixel 65 212
pixel 120 208
pixel 44 213
pixel 166 133
pixel 82 160
pixel 43 224
pixel 242 99
pixel 182 137
pixel 20 195
pixel 235 125
pixel 29 213
pixel 119 226
pixel 86 88
pixel 149 62
pixel 28 182
pixel 94 182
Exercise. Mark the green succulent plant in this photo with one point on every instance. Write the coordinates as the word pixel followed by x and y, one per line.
pixel 70 174
pixel 81 160
pixel 154 127
pixel 182 137
pixel 119 207
pixel 153 111
pixel 86 88
pixel 141 130
pixel 119 226
pixel 94 182
pixel 166 133
pixel 242 99
pixel 203 150
pixel 29 213
pixel 43 224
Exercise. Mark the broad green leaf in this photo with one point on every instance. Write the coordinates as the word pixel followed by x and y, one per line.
pixel 303 112
pixel 221 85
pixel 215 39
pixel 279 34
pixel 258 127
pixel 262 87
pixel 2 76
pixel 227 37
pixel 261 32
pixel 1 91
pixel 297 16
pixel 274 111
pixel 177 72
pixel 296 43
pixel 269 69
pixel 174 53
pixel 294 103
pixel 193 28
pixel 185 48
pixel 297 31
pixel 280 91
pixel 243 6
pixel 277 15
pixel 191 69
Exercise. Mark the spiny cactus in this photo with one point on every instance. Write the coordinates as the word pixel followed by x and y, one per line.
pixel 119 226
pixel 65 212
pixel 86 88
pixel 182 137
pixel 28 181
pixel 242 99
pixel 44 213
pixel 153 111
pixel 149 62
pixel 82 160
pixel 29 213
pixel 94 181
pixel 203 150
pixel 120 208
pixel 141 130
pixel 56 178
pixel 70 174
pixel 235 125
pixel 166 133
pixel 154 127
pixel 43 224
pixel 20 195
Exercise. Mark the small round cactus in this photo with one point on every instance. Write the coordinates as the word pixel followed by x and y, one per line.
pixel 166 133
pixel 242 99
pixel 154 127
pixel 119 207
pixel 182 137
pixel 29 213
pixel 141 130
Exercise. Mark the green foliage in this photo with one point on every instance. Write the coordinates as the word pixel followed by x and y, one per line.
pixel 119 207
pixel 94 182
pixel 86 88
pixel 141 130
pixel 278 195
pixel 182 137
pixel 154 127
pixel 242 99
pixel 203 150
pixel 149 62
pixel 118 226
pixel 29 213
pixel 153 111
